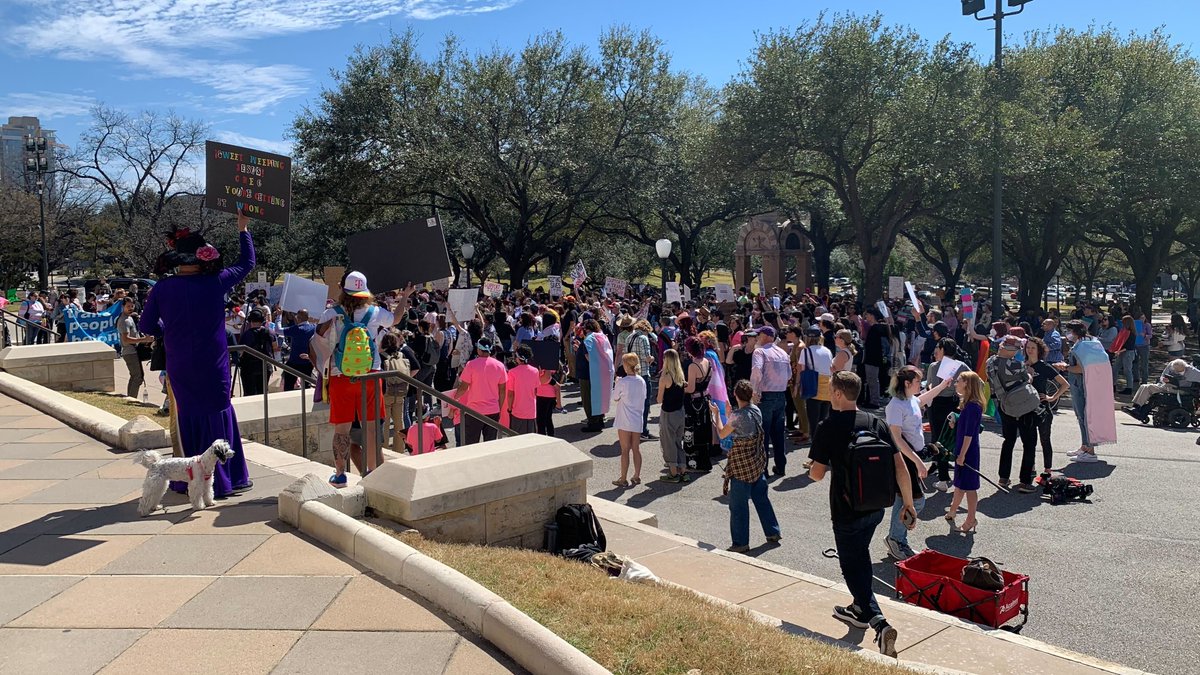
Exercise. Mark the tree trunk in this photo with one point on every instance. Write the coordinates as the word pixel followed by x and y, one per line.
pixel 821 254
pixel 873 275
pixel 683 262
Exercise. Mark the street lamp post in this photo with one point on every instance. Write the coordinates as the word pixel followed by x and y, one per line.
pixel 1174 287
pixel 468 252
pixel 663 248
pixel 969 8
pixel 38 165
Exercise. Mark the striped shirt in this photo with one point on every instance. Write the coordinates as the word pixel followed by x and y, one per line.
pixel 770 369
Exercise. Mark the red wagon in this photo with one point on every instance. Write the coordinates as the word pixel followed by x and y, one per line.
pixel 934 580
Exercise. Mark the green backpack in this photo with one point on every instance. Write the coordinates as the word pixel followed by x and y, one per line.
pixel 355 353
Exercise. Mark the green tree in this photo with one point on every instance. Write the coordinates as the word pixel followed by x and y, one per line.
pixel 521 146
pixel 871 111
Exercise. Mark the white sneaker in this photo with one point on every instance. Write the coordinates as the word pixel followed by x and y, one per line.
pixel 1085 457
pixel 942 485
pixel 1072 453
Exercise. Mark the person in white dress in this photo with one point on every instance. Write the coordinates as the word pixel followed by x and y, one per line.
pixel 628 399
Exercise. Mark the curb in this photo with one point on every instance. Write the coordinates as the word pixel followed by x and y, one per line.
pixel 98 424
pixel 888 602
pixel 528 642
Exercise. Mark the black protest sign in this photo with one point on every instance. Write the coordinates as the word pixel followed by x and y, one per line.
pixel 546 353
pixel 260 183
pixel 397 255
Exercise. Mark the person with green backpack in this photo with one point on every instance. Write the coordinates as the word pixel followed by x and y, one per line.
pixel 352 330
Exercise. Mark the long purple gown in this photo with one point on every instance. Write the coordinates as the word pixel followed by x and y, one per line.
pixel 191 309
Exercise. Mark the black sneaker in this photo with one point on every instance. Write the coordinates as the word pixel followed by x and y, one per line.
pixel 1026 488
pixel 778 471
pixel 885 639
pixel 850 615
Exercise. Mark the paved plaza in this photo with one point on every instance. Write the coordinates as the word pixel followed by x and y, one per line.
pixel 87 586
pixel 1110 578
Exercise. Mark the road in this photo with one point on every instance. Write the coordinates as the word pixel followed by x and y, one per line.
pixel 1113 578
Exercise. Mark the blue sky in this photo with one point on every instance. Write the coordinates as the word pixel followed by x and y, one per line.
pixel 248 66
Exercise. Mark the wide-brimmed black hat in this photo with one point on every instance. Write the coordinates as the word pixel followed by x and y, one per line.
pixel 185 247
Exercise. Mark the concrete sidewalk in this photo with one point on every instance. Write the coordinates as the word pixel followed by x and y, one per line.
pixel 802 604
pixel 87 586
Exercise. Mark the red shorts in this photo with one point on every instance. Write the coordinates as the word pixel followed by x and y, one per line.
pixel 345 399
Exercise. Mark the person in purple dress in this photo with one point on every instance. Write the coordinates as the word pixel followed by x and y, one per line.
pixel 966 448
pixel 187 311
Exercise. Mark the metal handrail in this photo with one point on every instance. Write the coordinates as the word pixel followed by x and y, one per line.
pixel 426 389
pixel 306 380
pixel 25 324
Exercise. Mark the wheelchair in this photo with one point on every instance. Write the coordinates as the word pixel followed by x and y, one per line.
pixel 1177 409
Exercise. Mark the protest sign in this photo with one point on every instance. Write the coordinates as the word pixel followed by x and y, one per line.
pixel 441 284
pixel 762 287
pixel 968 305
pixel 260 183
pixel 274 293
pixel 687 294
pixel 614 286
pixel 725 293
pixel 333 279
pixel 580 275
pixel 253 287
pixel 299 293
pixel 948 368
pixel 493 289
pixel 461 303
pixel 882 307
pixel 546 353
pixel 912 296
pixel 396 255
pixel 674 294
pixel 556 286
pixel 895 287
pixel 97 326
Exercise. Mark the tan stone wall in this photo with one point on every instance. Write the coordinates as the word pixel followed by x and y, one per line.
pixel 515 521
pixel 95 375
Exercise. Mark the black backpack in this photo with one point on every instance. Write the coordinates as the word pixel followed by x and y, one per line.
pixel 869 479
pixel 577 526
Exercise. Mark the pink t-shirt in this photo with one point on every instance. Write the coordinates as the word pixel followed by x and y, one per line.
pixel 484 377
pixel 432 434
pixel 545 388
pixel 522 384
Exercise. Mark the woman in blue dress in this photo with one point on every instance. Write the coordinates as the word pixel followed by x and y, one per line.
pixel 187 311
pixel 966 462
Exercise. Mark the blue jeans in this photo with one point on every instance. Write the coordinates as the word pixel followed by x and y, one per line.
pixel 740 493
pixel 897 530
pixel 853 541
pixel 1079 405
pixel 1143 365
pixel 646 410
pixel 773 405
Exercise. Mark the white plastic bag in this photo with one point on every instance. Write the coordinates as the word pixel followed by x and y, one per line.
pixel 632 571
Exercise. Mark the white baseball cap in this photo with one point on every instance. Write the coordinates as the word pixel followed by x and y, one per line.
pixel 356 285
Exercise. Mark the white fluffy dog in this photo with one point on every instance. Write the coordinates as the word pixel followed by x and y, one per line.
pixel 196 471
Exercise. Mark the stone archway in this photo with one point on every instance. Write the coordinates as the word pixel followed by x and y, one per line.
pixel 775 239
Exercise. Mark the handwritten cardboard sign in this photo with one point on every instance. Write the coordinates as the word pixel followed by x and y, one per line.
pixel 556 286
pixel 674 294
pixel 725 293
pixel 614 286
pixel 895 287
pixel 493 289
pixel 258 182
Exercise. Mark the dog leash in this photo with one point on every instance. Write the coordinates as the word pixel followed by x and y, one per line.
pixel 977 473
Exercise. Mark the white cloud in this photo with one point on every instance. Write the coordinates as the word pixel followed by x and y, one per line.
pixel 234 138
pixel 177 38
pixel 45 105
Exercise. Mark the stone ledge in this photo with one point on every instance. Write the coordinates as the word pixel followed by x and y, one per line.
pixel 528 642
pixel 619 513
pixel 101 425
pixel 60 352
pixel 438 483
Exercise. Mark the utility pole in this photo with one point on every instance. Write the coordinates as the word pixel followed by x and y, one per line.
pixel 39 165
pixel 969 8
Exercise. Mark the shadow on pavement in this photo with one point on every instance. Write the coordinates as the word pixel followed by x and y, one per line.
pixel 1089 471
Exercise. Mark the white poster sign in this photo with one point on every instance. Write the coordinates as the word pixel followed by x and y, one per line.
pixel 687 294
pixel 949 368
pixel 461 303
pixel 493 289
pixel 895 287
pixel 299 293
pixel 274 293
pixel 262 277
pixel 614 286
pixel 556 286
pixel 674 294
pixel 253 287
pixel 882 307
pixel 912 295
pixel 725 293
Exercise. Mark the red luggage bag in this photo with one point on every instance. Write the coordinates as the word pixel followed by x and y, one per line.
pixel 934 580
